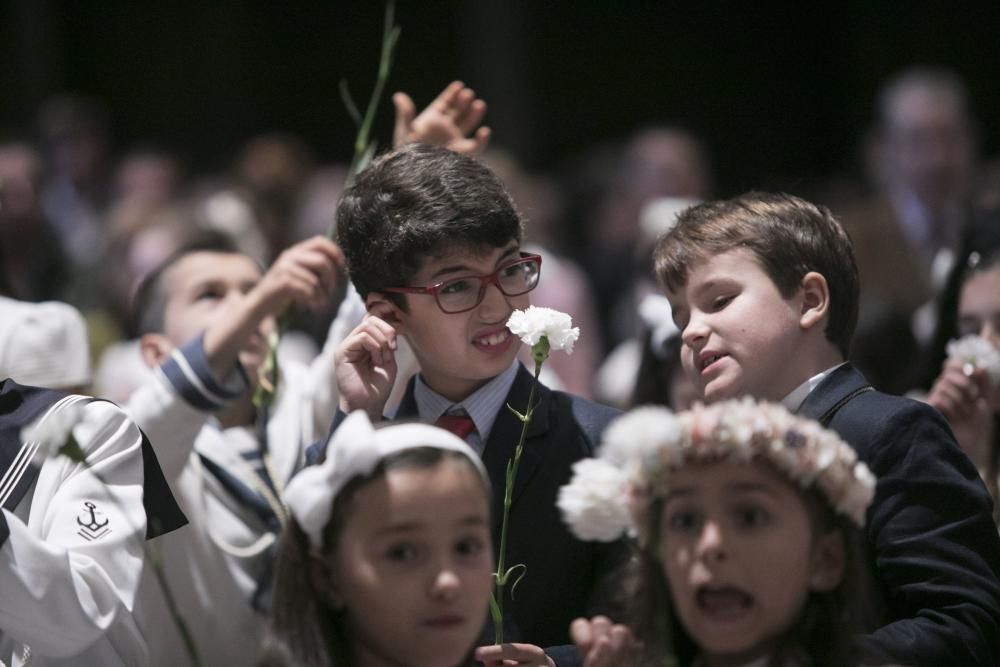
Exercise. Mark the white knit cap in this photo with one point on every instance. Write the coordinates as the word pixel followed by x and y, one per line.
pixel 43 344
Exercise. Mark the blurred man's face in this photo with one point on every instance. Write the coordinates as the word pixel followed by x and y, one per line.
pixel 19 169
pixel 928 146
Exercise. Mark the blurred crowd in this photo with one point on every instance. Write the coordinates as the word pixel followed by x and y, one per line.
pixel 82 219
pixel 102 244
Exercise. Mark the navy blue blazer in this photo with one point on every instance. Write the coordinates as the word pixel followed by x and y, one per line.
pixel 562 571
pixel 930 530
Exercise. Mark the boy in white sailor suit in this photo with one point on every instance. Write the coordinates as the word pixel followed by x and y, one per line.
pixel 71 534
pixel 206 316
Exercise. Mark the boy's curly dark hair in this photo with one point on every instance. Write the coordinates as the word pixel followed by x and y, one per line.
pixel 417 202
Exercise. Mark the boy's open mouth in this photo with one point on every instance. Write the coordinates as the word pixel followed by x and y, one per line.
pixel 723 602
pixel 706 359
pixel 492 339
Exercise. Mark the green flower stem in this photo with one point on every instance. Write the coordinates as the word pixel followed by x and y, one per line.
pixel 364 150
pixel 269 374
pixel 539 353
pixel 364 147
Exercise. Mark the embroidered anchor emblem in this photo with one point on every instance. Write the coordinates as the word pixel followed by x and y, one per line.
pixel 93 529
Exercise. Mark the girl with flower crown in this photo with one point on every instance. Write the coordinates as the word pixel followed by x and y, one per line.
pixel 387 559
pixel 967 392
pixel 747 521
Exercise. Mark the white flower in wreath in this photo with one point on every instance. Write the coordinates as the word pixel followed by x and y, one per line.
pixel 531 324
pixel 595 502
pixel 638 439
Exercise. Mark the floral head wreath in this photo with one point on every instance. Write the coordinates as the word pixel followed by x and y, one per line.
pixel 355 449
pixel 640 449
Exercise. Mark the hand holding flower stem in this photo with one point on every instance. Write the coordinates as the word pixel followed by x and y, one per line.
pixel 364 151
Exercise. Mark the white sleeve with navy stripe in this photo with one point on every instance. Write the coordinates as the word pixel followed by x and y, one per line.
pixel 72 551
pixel 173 407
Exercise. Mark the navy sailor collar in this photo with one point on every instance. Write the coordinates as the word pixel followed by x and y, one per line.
pixel 20 405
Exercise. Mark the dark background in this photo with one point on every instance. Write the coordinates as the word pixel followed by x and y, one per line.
pixel 782 93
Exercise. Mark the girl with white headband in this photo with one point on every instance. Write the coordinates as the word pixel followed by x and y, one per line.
pixel 747 521
pixel 387 559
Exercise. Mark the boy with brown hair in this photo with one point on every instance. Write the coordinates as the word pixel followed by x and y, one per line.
pixel 765 288
pixel 432 242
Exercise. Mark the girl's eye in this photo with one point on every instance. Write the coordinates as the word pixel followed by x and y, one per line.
pixel 752 516
pixel 402 552
pixel 968 325
pixel 683 521
pixel 209 295
pixel 471 546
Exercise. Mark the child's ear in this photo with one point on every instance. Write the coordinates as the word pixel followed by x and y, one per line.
pixel 155 348
pixel 815 300
pixel 381 306
pixel 828 562
pixel 321 578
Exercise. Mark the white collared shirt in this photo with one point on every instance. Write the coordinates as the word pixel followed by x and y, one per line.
pixel 793 401
pixel 482 405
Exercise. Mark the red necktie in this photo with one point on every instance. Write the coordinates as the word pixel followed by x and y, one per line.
pixel 460 424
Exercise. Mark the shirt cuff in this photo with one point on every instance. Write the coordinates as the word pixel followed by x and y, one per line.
pixel 189 373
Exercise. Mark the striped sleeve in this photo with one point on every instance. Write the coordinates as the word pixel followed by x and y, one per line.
pixel 188 372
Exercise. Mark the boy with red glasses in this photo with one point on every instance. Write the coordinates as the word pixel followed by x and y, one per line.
pixel 432 243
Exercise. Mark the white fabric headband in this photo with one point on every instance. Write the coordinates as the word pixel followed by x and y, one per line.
pixel 355 450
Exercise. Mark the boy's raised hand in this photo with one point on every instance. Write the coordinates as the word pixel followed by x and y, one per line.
pixel 604 644
pixel 365 364
pixel 305 273
pixel 526 655
pixel 448 121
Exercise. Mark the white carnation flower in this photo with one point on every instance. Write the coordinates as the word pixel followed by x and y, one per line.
pixel 979 352
pixel 532 324
pixel 595 503
pixel 53 429
pixel 637 440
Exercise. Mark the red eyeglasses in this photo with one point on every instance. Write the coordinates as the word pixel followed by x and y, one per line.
pixel 458 295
